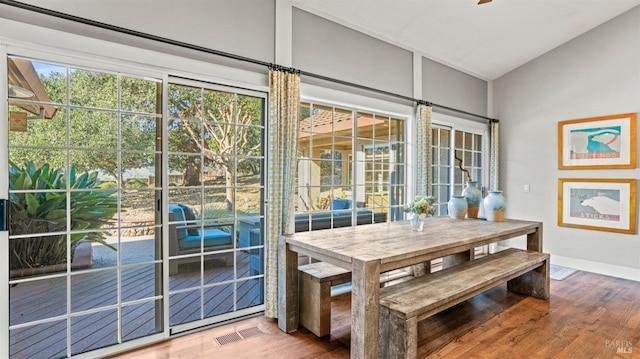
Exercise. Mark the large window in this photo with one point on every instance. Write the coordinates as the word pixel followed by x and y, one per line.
pixel 351 168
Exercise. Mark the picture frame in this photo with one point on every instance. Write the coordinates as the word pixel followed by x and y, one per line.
pixel 597 204
pixel 606 142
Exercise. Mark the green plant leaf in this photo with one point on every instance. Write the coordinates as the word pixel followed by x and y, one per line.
pixel 57 214
pixel 28 182
pixel 72 174
pixel 32 204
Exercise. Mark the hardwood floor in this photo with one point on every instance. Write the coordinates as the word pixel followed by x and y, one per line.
pixel 588 316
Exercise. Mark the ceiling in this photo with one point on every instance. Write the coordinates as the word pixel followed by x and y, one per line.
pixel 486 40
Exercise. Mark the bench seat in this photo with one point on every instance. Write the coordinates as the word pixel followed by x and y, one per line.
pixel 403 305
pixel 316 280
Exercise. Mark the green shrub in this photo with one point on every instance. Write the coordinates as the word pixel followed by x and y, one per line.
pixel 136 183
pixel 40 213
pixel 108 185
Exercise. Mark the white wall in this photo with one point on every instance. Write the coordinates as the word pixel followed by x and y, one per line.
pixel 593 75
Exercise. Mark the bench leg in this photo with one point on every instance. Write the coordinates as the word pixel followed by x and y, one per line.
pixel 398 337
pixel 458 258
pixel 534 283
pixel 315 305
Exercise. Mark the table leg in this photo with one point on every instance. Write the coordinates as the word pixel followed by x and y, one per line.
pixel 365 304
pixel 534 240
pixel 288 288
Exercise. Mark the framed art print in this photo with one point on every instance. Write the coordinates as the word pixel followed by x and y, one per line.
pixel 598 142
pixel 598 204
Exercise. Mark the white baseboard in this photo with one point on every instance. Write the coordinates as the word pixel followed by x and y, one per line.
pixel 594 267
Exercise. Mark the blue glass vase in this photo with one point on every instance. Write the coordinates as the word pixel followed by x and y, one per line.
pixel 473 196
pixel 457 207
pixel 495 206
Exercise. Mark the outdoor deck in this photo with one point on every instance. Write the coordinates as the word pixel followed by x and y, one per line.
pixel 93 291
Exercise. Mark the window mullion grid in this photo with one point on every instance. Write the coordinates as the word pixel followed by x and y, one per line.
pixel 68 204
pixel 201 120
pixel 119 204
pixel 234 155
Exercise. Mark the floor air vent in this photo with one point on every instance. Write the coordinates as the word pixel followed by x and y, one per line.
pixel 239 335
pixel 250 332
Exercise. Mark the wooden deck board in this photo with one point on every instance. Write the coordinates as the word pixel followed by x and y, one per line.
pixel 92 290
pixel 51 338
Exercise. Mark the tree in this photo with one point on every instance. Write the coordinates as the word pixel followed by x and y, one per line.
pixel 93 129
pixel 225 127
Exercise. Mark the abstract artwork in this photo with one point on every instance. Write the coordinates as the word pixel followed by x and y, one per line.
pixel 598 142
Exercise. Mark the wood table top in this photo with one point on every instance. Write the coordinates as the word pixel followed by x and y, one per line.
pixel 395 242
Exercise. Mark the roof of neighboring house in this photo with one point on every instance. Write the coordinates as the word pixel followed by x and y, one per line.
pixel 325 121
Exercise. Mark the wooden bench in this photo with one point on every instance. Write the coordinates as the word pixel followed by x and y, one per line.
pixel 316 280
pixel 403 305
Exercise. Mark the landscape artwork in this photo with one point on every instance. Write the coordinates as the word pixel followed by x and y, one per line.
pixel 599 142
pixel 600 204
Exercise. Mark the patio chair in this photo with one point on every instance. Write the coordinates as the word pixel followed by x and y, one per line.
pixel 186 237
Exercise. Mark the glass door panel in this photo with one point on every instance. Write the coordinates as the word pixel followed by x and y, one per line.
pixel 84 158
pixel 216 196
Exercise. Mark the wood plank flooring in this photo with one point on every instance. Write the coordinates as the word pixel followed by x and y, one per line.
pixel 588 316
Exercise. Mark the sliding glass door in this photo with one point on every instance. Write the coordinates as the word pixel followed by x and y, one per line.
pixel 84 230
pixel 97 160
pixel 216 195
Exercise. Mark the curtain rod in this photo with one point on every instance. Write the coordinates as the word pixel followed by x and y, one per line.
pixel 207 50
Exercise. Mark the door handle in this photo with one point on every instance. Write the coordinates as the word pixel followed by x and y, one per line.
pixel 4 215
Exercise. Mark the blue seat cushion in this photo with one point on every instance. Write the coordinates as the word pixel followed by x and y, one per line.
pixel 212 237
pixel 179 218
pixel 190 217
pixel 327 214
pixel 341 203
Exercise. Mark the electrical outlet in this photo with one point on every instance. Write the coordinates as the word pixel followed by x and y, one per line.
pixel 527 188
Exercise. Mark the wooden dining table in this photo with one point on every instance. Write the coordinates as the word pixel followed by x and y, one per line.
pixel 368 250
